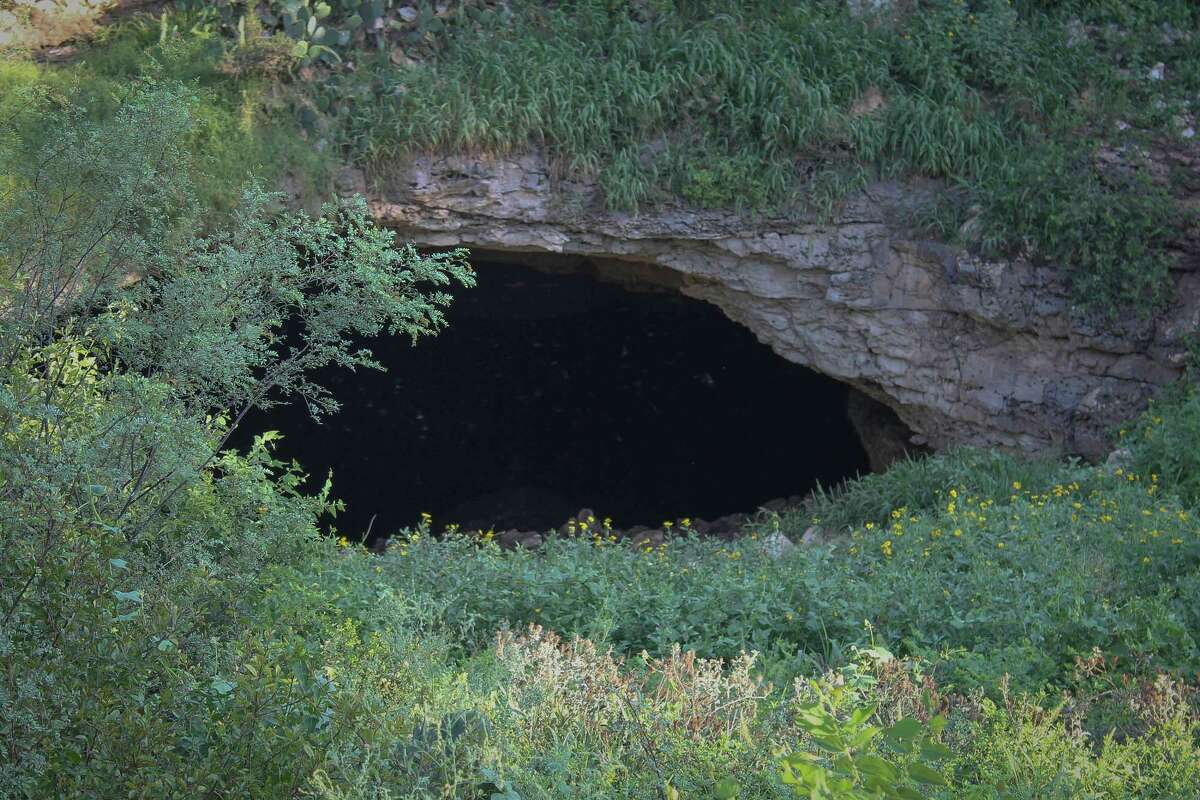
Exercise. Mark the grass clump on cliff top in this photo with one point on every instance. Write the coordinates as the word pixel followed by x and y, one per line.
pixel 770 105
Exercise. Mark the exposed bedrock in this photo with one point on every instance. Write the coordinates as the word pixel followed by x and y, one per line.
pixel 965 351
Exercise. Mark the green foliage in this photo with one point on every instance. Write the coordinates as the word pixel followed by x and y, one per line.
pixel 243 123
pixel 1038 117
pixel 918 484
pixel 851 765
pixel 663 87
pixel 723 183
pixel 134 549
pixel 317 31
pixel 1105 564
pixel 1108 229
pixel 1164 441
pixel 766 106
pixel 1020 750
pixel 172 624
pixel 326 30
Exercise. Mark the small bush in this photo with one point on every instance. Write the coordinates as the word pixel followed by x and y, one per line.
pixel 1165 441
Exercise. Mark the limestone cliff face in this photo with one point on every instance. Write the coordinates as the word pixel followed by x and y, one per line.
pixel 965 351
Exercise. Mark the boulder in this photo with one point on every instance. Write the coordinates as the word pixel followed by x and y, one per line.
pixel 777 545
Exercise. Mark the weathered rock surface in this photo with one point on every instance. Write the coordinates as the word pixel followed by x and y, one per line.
pixel 884 437
pixel 963 350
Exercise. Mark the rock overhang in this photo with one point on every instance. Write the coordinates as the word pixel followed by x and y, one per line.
pixel 965 351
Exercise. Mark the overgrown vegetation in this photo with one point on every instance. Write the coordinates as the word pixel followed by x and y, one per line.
pixel 243 122
pixel 1040 121
pixel 173 623
pixel 771 105
pixel 130 346
pixel 1123 561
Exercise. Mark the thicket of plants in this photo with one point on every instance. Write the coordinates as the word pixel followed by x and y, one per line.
pixel 133 543
pixel 243 123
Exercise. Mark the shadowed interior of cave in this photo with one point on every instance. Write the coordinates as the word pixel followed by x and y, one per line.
pixel 550 392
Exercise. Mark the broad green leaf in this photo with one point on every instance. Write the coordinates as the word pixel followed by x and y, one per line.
pixel 861 715
pixel 726 789
pixel 879 653
pixel 874 765
pixel 830 743
pixel 903 734
pixel 907 728
pixel 863 736
pixel 934 751
pixel 923 774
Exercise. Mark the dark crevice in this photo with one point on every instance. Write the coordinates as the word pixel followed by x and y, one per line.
pixel 552 391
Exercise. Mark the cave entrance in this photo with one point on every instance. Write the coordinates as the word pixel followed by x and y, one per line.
pixel 551 391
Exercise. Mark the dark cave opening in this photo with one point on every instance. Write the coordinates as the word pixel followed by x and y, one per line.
pixel 550 392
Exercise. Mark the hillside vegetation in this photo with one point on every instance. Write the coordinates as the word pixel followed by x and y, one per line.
pixel 1052 128
pixel 1016 107
pixel 178 619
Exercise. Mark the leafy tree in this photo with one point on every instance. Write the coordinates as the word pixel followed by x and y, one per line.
pixel 130 348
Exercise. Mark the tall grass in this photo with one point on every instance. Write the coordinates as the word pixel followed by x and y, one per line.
pixel 761 105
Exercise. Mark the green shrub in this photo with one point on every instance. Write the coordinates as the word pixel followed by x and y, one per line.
pixel 852 764
pixel 1164 442
pixel 241 127
pixel 919 483
pixel 1107 230
pixel 1020 750
pixel 135 550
